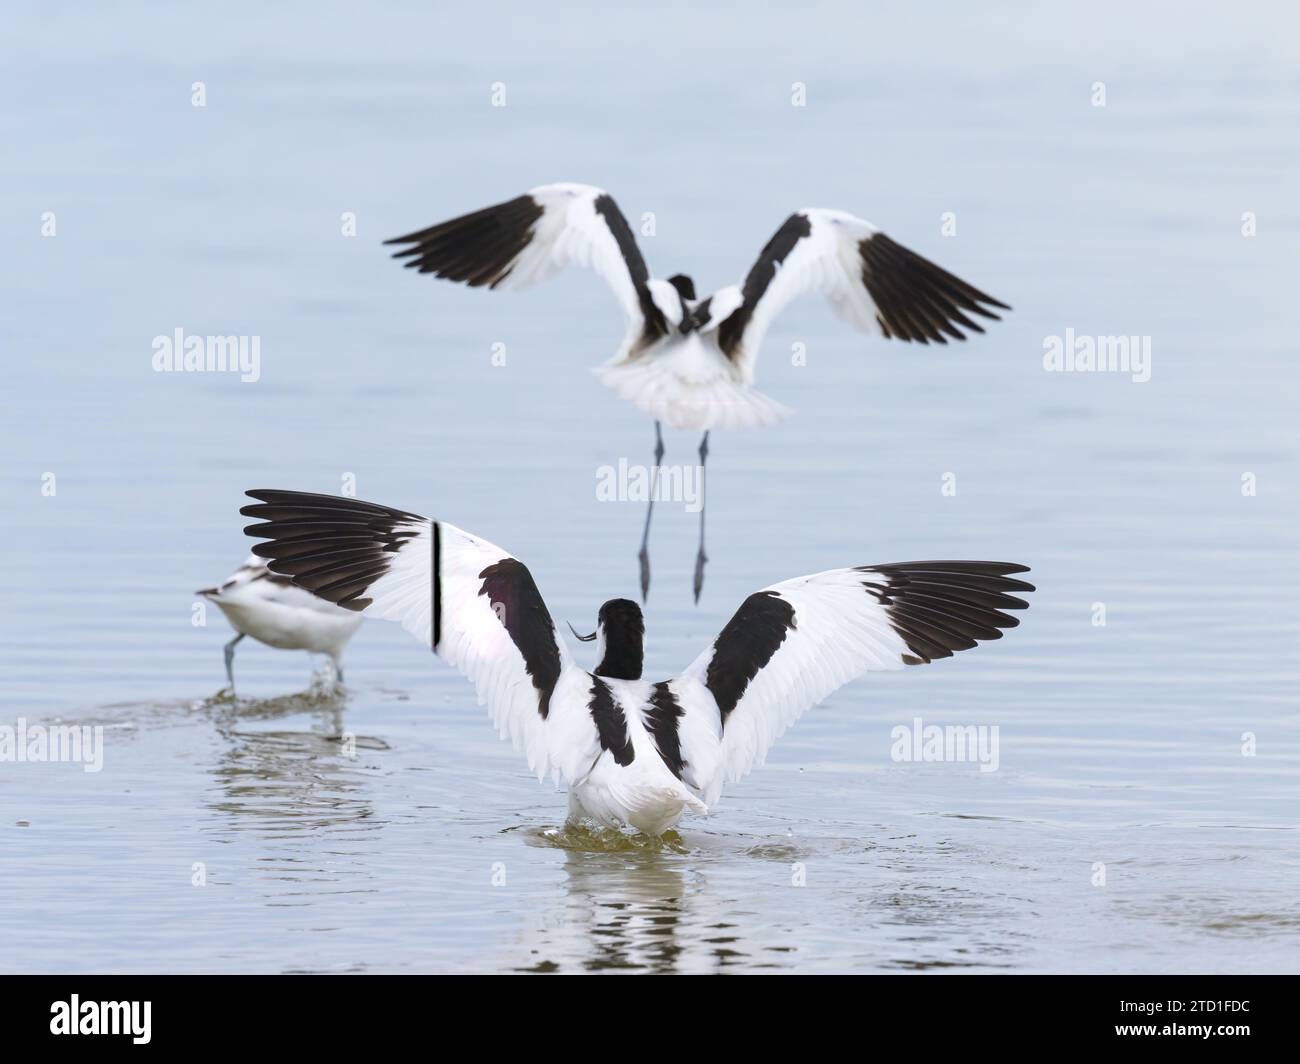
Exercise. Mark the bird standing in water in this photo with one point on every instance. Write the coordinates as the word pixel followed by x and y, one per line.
pixel 273 611
pixel 629 751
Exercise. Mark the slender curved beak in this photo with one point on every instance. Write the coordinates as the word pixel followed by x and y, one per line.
pixel 581 638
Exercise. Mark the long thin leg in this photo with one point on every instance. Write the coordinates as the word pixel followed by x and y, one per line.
pixel 230 660
pixel 701 557
pixel 644 555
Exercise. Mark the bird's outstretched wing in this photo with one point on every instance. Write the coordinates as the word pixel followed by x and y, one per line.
pixel 464 598
pixel 871 282
pixel 792 644
pixel 530 238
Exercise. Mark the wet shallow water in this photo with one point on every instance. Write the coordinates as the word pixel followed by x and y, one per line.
pixel 431 849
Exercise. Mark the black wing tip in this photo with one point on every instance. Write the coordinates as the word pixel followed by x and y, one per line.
pixel 941 607
pixel 272 500
pixel 475 248
pixel 281 497
pixel 279 494
pixel 962 566
pixel 916 298
pixel 973 565
pixel 333 546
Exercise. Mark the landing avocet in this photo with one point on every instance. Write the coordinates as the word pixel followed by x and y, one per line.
pixel 691 362
pixel 273 611
pixel 629 752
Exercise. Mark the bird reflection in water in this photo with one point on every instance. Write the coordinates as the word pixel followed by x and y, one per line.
pixel 628 905
pixel 281 783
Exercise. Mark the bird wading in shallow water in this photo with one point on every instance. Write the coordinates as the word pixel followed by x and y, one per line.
pixel 688 361
pixel 271 609
pixel 630 752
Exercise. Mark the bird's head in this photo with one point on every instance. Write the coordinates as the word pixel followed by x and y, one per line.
pixel 684 285
pixel 620 638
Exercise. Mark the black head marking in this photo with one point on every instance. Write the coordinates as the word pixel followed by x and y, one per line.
pixel 684 285
pixel 623 627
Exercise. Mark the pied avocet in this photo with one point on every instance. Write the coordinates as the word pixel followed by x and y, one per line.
pixel 273 611
pixel 629 751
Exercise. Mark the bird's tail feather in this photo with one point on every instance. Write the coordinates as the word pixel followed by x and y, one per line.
pixel 716 403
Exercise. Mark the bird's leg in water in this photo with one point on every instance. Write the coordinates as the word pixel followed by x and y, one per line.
pixel 701 557
pixel 644 555
pixel 230 661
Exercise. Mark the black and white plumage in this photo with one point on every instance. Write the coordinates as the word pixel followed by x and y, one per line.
pixel 274 611
pixel 629 751
pixel 691 362
pixel 686 361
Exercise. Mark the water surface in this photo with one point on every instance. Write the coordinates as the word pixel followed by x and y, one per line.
pixel 431 849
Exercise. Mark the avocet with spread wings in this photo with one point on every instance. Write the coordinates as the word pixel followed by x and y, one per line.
pixel 630 752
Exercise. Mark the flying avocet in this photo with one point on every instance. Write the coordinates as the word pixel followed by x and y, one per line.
pixel 273 611
pixel 630 752
pixel 691 362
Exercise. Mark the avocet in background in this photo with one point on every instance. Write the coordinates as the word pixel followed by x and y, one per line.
pixel 686 361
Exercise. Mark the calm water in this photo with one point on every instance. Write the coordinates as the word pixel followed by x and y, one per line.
pixel 432 849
